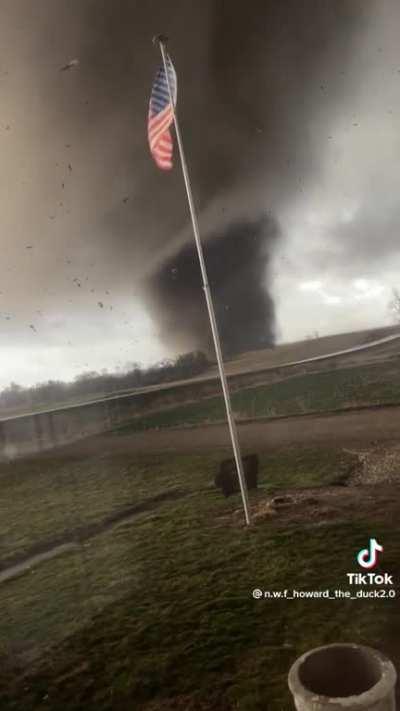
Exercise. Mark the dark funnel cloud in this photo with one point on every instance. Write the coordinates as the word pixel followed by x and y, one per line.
pixel 237 261
pixel 270 71
pixel 254 80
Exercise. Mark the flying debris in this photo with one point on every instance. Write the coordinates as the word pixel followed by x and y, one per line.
pixel 125 199
pixel 32 327
pixel 69 167
pixel 100 303
pixel 69 65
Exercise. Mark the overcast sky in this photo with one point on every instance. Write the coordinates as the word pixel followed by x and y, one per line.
pixel 85 217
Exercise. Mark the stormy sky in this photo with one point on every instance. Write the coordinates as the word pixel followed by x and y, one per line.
pixel 290 116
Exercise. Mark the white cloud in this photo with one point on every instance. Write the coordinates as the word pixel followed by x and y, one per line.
pixel 313 286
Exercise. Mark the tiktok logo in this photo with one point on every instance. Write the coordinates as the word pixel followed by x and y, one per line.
pixel 367 557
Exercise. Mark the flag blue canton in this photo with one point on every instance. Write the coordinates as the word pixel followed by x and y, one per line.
pixel 159 96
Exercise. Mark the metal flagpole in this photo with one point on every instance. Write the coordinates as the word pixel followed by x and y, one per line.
pixel 214 328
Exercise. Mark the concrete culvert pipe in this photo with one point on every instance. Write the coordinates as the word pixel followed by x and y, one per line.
pixel 342 677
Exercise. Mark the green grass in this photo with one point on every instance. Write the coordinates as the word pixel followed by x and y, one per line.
pixel 61 494
pixel 43 500
pixel 316 392
pixel 161 606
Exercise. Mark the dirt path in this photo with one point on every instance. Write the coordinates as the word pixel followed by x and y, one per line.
pixel 357 427
pixel 71 541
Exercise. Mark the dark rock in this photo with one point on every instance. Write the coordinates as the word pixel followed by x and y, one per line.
pixel 227 478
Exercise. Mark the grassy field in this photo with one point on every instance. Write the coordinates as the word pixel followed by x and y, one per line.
pixel 44 500
pixel 157 612
pixel 316 392
pixel 243 362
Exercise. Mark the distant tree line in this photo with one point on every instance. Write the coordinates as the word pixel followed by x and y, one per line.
pixel 94 384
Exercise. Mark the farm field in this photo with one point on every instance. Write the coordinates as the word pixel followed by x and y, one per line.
pixel 153 610
pixel 248 363
pixel 374 384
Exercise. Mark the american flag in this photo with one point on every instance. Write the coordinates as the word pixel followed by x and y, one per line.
pixel 161 117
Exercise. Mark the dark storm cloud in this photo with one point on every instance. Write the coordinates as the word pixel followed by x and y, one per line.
pixel 369 241
pixel 251 82
pixel 270 70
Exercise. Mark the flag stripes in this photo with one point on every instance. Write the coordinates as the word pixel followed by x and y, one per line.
pixel 160 116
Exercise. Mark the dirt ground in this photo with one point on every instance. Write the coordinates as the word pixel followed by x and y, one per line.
pixel 311 348
pixel 318 506
pixel 372 490
pixel 353 428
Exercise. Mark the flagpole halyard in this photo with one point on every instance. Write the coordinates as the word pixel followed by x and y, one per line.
pixel 161 40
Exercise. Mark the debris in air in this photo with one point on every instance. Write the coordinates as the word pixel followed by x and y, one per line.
pixel 70 65
pixel 100 303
